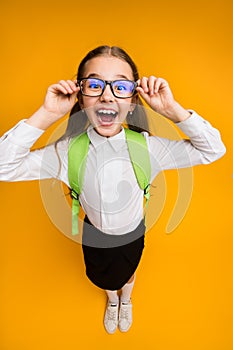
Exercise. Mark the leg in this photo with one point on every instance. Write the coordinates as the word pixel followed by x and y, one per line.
pixel 111 313
pixel 125 314
pixel 127 290
pixel 112 296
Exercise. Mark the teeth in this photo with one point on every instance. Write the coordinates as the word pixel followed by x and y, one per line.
pixel 107 112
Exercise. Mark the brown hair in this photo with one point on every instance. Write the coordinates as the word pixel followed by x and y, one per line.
pixel 136 121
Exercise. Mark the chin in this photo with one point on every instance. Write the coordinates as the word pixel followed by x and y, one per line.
pixel 108 131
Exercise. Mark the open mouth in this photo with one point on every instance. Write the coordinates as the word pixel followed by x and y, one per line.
pixel 106 116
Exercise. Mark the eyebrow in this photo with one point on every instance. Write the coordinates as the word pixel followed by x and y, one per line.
pixel 96 75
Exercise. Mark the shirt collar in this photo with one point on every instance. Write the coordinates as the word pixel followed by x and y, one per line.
pixel 117 141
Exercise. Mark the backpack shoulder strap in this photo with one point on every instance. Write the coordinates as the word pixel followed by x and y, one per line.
pixel 77 157
pixel 140 158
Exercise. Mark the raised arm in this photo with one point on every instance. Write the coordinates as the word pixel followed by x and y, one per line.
pixel 204 145
pixel 17 163
pixel 158 95
pixel 59 100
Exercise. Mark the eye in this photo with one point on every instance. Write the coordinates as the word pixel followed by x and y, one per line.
pixel 94 85
pixel 121 87
pixel 124 86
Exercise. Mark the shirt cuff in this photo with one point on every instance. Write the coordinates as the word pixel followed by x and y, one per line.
pixel 194 125
pixel 23 134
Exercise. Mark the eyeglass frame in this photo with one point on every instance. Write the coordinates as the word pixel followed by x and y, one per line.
pixel 108 82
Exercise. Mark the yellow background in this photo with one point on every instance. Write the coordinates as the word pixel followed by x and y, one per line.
pixel 183 294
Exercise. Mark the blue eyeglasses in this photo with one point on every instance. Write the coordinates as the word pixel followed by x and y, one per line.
pixel 94 87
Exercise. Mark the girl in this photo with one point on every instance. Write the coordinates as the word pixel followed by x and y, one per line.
pixel 108 91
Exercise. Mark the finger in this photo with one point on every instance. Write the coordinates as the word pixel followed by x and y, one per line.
pixel 151 85
pixel 160 83
pixel 57 88
pixel 143 94
pixel 144 84
pixel 140 90
pixel 77 89
pixel 72 85
pixel 66 85
pixel 138 82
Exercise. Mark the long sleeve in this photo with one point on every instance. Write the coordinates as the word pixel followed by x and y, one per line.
pixel 204 146
pixel 18 163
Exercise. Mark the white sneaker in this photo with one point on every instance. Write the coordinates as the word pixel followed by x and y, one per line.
pixel 125 316
pixel 111 318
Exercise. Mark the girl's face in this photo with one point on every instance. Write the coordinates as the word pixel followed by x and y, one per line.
pixel 107 112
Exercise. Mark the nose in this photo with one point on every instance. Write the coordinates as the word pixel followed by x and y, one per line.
pixel 107 95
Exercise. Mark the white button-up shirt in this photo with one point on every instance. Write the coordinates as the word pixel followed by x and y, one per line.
pixel 111 197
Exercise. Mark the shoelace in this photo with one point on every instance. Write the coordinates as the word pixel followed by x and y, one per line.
pixel 111 314
pixel 125 312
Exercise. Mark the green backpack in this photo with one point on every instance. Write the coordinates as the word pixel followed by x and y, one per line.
pixel 77 157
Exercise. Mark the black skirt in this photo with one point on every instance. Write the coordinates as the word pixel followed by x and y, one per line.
pixel 111 260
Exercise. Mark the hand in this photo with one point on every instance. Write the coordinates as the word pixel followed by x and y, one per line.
pixel 60 98
pixel 157 94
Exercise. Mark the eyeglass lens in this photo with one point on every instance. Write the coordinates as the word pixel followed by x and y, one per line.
pixel 120 88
